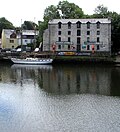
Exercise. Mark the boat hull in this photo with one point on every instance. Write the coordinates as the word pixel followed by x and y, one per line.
pixel 32 61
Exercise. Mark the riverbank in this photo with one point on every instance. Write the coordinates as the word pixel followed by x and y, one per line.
pixel 67 58
pixel 84 59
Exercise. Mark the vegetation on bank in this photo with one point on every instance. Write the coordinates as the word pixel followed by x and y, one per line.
pixel 84 59
pixel 67 10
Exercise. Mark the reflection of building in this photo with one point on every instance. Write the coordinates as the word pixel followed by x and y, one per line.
pixel 78 35
pixel 12 39
pixel 80 80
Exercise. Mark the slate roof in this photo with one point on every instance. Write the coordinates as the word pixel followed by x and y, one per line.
pixel 101 20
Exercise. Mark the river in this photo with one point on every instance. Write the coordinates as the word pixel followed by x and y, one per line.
pixel 59 98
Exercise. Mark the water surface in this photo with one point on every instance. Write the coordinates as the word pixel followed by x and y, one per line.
pixel 59 98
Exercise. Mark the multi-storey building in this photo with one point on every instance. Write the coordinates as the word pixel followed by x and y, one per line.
pixel 78 35
pixel 12 38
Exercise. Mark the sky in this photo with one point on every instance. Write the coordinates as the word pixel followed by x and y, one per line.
pixel 17 11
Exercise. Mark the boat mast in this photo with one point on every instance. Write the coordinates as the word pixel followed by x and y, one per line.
pixel 21 36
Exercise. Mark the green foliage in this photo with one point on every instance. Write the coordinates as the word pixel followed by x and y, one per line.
pixel 51 13
pixel 28 25
pixel 101 12
pixel 70 10
pixel 5 24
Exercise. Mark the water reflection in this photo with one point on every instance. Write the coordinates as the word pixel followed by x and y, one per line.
pixel 59 98
pixel 65 79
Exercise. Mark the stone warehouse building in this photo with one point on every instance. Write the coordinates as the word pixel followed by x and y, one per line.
pixel 80 35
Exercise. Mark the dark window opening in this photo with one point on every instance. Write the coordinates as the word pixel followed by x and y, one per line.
pixel 78 24
pixel 59 32
pixel 88 32
pixel 59 25
pixel 88 25
pixel 69 32
pixel 78 32
pixel 59 39
pixel 68 39
pixel 69 25
pixel 78 40
pixel 98 25
pixel 98 39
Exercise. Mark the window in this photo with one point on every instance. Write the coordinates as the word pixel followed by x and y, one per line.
pixel 78 32
pixel 68 47
pixel 59 25
pixel 13 35
pixel 88 39
pixel 59 46
pixel 59 39
pixel 69 25
pixel 98 25
pixel 25 40
pixel 88 25
pixel 98 39
pixel 88 47
pixel 98 32
pixel 11 41
pixel 78 24
pixel 88 32
pixel 59 32
pixel 98 47
pixel 78 40
pixel 69 32
pixel 68 39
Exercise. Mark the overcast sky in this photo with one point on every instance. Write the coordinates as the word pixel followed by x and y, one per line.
pixel 32 10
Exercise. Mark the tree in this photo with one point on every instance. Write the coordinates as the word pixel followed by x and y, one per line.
pixel 51 13
pixel 101 12
pixel 28 25
pixel 70 10
pixel 5 24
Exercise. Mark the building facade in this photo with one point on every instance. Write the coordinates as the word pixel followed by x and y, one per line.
pixel 13 39
pixel 78 35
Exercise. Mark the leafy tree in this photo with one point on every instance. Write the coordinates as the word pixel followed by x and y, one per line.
pixel 70 10
pixel 101 12
pixel 50 13
pixel 28 25
pixel 5 24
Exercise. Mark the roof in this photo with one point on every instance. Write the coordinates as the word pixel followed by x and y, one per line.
pixel 8 32
pixel 101 20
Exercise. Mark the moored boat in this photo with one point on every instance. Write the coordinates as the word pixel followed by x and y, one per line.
pixel 29 60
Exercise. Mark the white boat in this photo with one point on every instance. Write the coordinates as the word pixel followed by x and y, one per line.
pixel 35 61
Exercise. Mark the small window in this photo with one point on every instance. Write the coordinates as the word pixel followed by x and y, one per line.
pixel 25 40
pixel 88 47
pixel 69 32
pixel 88 39
pixel 98 25
pixel 68 47
pixel 68 39
pixel 98 47
pixel 11 41
pixel 78 24
pixel 59 46
pixel 59 32
pixel 69 25
pixel 88 32
pixel 98 32
pixel 78 41
pixel 59 25
pixel 59 39
pixel 98 39
pixel 88 25
pixel 78 32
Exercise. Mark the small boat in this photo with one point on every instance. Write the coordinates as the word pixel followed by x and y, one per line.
pixel 29 60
